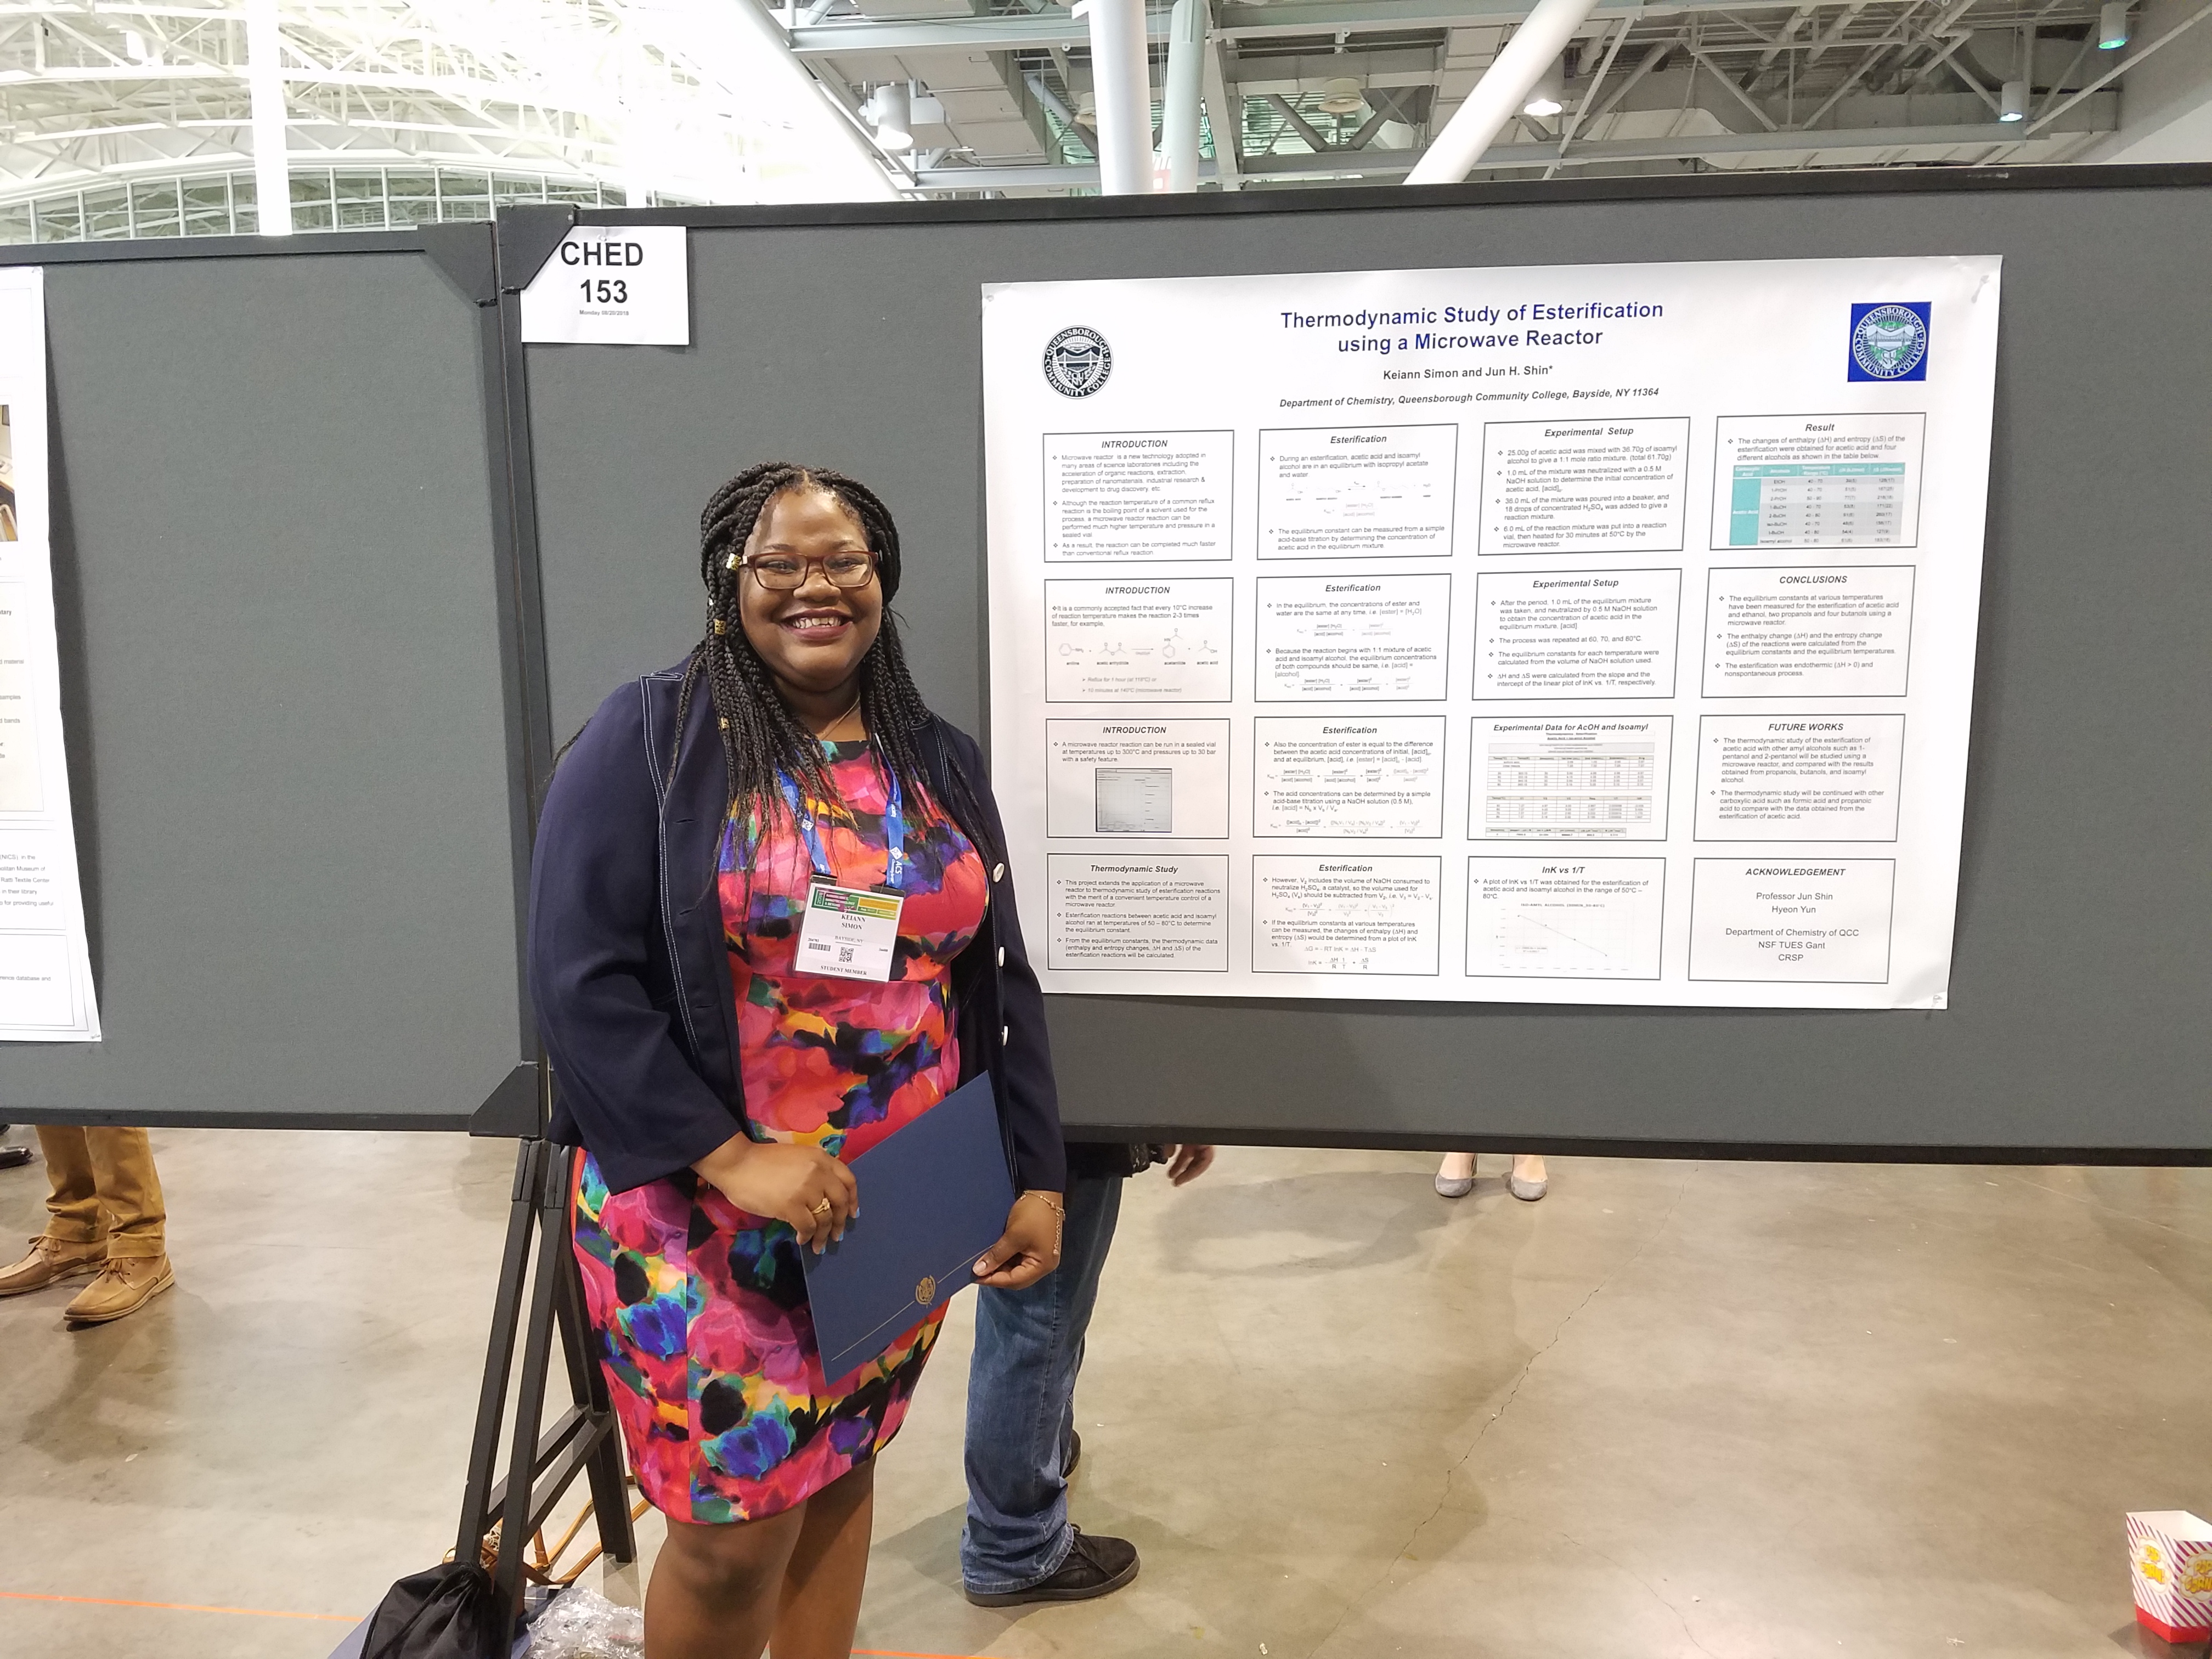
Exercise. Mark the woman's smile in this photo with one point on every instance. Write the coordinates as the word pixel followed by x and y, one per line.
pixel 816 625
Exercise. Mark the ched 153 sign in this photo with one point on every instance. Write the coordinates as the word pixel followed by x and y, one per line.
pixel 613 285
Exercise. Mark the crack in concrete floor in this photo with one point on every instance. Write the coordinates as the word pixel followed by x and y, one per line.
pixel 1630 1573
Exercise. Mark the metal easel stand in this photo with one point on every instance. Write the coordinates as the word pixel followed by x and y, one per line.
pixel 583 1439
pixel 540 1290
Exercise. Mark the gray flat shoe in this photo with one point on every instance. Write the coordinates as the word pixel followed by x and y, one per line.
pixel 1528 1191
pixel 1448 1189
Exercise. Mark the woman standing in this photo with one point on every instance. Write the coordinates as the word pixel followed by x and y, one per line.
pixel 718 1092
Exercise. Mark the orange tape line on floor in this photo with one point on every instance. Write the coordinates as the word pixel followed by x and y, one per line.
pixel 333 1618
pixel 174 1606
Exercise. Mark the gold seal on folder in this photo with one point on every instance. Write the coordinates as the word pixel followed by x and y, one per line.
pixel 924 1290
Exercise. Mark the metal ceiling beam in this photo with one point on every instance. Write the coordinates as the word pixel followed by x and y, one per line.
pixel 1009 33
pixel 1834 31
pixel 1304 128
pixel 654 97
pixel 1225 110
pixel 1017 31
pixel 1573 123
pixel 2119 69
pixel 1653 57
pixel 1899 34
pixel 1728 82
pixel 1796 21
pixel 1391 164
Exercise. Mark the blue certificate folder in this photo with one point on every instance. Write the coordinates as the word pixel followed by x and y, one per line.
pixel 934 1197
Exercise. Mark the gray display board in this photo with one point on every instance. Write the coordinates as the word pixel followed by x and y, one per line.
pixel 279 609
pixel 2078 1019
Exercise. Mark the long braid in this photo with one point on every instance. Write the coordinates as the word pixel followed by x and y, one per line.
pixel 760 735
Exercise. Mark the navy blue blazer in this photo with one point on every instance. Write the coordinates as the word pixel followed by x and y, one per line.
pixel 630 973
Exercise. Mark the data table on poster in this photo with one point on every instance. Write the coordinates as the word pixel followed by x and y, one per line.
pixel 1575 633
pixel 1829 481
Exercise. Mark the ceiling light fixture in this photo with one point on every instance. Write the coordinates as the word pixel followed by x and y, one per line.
pixel 2012 102
pixel 1341 96
pixel 889 111
pixel 2112 26
pixel 1549 95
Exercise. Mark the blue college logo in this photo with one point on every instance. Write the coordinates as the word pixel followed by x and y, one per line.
pixel 1077 361
pixel 1890 341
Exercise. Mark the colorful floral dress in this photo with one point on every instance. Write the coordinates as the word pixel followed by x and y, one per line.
pixel 700 1308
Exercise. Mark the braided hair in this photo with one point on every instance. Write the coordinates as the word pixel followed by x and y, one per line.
pixel 761 737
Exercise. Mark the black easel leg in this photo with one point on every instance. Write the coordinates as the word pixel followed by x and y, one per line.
pixel 523 1451
pixel 506 1315
pixel 586 1439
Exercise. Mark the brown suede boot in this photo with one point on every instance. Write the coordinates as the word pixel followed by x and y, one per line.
pixel 50 1262
pixel 126 1284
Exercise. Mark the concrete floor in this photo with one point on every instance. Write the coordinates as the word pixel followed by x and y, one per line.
pixel 1744 1411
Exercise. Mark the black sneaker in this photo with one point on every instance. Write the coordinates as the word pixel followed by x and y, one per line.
pixel 1074 1453
pixel 1094 1566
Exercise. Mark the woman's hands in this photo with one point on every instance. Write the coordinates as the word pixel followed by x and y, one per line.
pixel 1029 1248
pixel 802 1185
pixel 817 1195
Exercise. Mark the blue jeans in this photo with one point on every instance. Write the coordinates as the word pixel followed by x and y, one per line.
pixel 1021 1402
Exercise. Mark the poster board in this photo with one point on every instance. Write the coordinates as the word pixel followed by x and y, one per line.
pixel 280 601
pixel 2074 1026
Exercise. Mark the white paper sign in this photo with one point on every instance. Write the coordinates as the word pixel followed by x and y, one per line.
pixel 1579 634
pixel 613 285
pixel 45 971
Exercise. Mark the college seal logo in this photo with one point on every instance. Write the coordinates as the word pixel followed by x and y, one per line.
pixel 924 1290
pixel 1077 361
pixel 1889 342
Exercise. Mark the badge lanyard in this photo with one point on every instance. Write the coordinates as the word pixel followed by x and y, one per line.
pixel 850 932
pixel 894 831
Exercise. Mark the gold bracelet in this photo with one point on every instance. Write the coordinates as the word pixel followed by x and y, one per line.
pixel 1059 1209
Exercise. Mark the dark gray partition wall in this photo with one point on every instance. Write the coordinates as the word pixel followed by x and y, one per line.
pixel 288 717
pixel 2078 1016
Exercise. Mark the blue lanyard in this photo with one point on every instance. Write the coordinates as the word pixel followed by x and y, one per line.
pixel 894 830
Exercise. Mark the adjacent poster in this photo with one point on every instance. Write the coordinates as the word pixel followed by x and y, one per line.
pixel 46 974
pixel 1583 634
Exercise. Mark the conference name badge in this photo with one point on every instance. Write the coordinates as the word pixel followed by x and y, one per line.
pixel 848 933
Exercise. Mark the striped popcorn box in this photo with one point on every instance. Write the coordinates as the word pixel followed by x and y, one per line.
pixel 2170 1559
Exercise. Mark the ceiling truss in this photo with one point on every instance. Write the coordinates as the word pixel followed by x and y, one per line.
pixel 1670 86
pixel 648 96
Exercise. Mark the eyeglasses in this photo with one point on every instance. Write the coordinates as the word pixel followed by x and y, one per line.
pixel 781 573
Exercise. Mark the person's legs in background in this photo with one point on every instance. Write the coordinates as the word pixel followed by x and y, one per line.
pixel 137 1266
pixel 75 1242
pixel 104 1216
pixel 1456 1175
pixel 1019 1545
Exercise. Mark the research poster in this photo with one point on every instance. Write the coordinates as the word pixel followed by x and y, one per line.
pixel 46 972
pixel 1580 634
